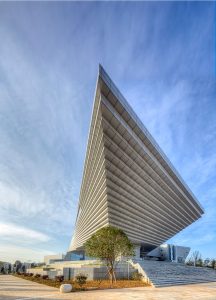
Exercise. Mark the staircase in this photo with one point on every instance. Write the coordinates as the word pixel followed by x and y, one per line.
pixel 161 273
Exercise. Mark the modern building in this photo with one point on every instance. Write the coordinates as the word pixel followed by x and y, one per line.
pixel 49 259
pixel 128 181
pixel 168 252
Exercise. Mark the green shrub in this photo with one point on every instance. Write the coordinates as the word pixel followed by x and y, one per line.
pixel 136 275
pixel 81 279
pixel 199 263
pixel 213 264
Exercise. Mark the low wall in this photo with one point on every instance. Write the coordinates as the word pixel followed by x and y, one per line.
pixel 122 271
pixel 50 273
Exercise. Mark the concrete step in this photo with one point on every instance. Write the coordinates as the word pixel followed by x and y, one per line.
pixel 180 280
pixel 169 274
pixel 175 282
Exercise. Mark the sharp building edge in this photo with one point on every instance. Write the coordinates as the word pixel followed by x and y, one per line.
pixel 128 181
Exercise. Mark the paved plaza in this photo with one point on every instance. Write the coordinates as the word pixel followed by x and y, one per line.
pixel 13 288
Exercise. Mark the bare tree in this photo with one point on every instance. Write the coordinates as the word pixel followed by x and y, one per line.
pixel 213 263
pixel 196 256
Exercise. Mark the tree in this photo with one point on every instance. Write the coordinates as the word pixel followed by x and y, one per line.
pixel 108 244
pixel 23 268
pixel 196 256
pixel 213 263
pixel 190 261
pixel 199 262
pixel 17 265
pixel 9 269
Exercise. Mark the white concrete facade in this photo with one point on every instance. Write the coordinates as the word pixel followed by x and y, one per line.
pixel 128 181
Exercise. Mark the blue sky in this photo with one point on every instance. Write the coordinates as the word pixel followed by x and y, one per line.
pixel 161 56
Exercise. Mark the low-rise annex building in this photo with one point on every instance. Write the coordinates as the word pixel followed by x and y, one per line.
pixel 49 259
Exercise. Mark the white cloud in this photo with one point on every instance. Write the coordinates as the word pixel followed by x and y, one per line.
pixel 10 253
pixel 13 198
pixel 42 139
pixel 14 232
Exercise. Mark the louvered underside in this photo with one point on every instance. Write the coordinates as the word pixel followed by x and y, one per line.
pixel 93 207
pixel 128 181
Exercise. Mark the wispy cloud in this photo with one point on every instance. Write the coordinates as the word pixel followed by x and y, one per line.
pixel 12 231
pixel 30 254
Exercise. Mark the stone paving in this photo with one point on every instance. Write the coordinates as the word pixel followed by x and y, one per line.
pixel 13 288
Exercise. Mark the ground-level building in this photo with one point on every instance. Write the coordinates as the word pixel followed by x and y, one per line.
pixel 49 259
pixel 168 252
pixel 129 182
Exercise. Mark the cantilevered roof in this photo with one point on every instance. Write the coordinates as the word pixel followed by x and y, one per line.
pixel 128 181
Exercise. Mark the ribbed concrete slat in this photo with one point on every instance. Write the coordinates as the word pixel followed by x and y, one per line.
pixel 127 179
